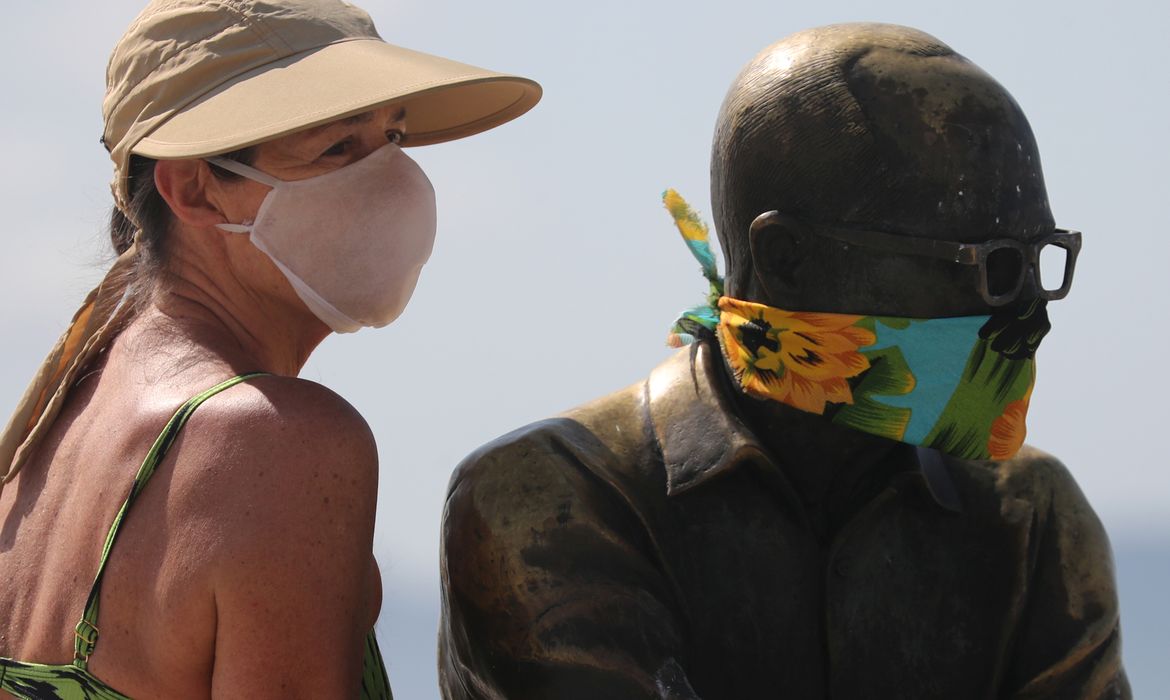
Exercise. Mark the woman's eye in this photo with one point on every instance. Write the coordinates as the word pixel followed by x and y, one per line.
pixel 338 149
pixel 394 136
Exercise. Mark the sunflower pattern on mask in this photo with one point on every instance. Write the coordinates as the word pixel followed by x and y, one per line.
pixel 801 359
pixel 960 385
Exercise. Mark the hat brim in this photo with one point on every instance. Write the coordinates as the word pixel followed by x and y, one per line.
pixel 443 99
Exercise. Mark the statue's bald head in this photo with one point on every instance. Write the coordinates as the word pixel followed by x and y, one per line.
pixel 872 126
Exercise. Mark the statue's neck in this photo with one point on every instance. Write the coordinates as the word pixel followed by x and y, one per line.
pixel 825 463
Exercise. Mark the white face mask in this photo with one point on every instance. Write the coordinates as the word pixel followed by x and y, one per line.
pixel 351 242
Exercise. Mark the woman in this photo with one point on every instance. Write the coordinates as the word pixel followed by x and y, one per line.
pixel 262 202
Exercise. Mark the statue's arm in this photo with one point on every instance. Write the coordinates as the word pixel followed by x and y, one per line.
pixel 551 587
pixel 1068 644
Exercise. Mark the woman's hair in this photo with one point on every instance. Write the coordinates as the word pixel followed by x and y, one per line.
pixel 153 216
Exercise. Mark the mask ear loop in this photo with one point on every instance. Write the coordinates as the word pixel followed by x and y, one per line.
pixel 245 171
pixel 101 317
pixel 249 172
pixel 234 228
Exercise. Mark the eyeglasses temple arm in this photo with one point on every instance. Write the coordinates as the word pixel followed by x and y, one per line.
pixel 943 250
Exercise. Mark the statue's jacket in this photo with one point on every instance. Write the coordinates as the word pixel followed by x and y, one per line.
pixel 646 546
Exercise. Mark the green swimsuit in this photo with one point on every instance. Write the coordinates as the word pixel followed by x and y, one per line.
pixel 73 681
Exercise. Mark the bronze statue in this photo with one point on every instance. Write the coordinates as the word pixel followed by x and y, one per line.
pixel 685 538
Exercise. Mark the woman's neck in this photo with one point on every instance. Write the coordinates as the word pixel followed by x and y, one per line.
pixel 247 317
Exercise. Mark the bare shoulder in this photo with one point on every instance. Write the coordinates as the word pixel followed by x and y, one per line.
pixel 275 452
pixel 268 405
pixel 276 482
pixel 297 421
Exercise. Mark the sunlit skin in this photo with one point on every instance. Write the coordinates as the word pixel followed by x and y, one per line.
pixel 246 567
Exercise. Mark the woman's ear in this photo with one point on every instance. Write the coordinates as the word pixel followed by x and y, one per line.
pixel 184 185
pixel 776 241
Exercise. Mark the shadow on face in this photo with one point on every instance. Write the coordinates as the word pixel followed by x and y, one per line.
pixel 880 128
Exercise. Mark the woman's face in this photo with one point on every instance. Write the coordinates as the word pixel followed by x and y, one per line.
pixel 201 200
pixel 313 152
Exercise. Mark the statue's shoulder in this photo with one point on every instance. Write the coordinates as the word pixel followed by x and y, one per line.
pixel 601 437
pixel 1033 477
pixel 1036 474
pixel 618 439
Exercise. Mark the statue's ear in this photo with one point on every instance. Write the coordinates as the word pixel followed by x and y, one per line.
pixel 776 243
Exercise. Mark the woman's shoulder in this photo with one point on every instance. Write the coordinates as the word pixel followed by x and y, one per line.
pixel 281 448
pixel 284 415
pixel 276 487
pixel 272 399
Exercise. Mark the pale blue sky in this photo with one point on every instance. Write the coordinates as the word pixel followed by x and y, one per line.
pixel 556 272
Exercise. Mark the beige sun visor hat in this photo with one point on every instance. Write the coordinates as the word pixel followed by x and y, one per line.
pixel 195 78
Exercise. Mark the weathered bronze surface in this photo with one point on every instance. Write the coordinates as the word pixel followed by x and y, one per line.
pixel 680 540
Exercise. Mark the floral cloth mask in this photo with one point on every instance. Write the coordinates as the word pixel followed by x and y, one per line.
pixel 960 385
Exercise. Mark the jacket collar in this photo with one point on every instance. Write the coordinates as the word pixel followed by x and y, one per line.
pixel 701 436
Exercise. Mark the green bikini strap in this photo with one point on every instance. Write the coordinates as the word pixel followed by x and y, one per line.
pixel 86 632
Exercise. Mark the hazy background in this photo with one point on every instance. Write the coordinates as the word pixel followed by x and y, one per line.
pixel 557 273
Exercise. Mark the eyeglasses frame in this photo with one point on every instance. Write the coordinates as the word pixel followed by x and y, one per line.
pixel 952 251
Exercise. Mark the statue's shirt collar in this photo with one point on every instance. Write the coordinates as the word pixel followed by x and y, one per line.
pixel 701 436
